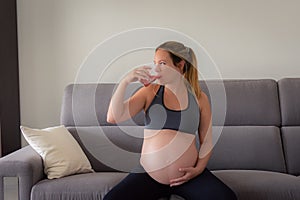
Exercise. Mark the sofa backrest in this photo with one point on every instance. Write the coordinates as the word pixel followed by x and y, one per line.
pixel 289 93
pixel 249 137
pixel 246 125
pixel 109 147
pixel 87 104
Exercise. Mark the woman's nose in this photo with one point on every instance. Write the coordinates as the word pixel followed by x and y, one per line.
pixel 157 68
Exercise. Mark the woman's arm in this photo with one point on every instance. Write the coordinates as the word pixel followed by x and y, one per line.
pixel 120 109
pixel 205 132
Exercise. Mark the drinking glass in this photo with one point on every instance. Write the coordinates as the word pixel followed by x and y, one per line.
pixel 152 75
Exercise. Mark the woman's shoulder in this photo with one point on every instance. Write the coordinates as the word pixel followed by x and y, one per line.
pixel 203 100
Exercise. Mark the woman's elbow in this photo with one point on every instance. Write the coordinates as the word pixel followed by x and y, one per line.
pixel 110 119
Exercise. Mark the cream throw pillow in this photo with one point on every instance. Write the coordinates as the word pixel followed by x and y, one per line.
pixel 62 155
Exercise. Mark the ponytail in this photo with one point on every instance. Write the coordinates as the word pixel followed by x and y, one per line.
pixel 191 74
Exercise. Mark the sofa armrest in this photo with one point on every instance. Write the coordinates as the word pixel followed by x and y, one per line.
pixel 26 165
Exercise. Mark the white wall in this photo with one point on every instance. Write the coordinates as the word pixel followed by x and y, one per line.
pixel 246 39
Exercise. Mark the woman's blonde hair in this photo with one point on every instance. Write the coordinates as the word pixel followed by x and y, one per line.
pixel 180 52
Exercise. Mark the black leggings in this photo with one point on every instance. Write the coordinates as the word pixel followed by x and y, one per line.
pixel 140 186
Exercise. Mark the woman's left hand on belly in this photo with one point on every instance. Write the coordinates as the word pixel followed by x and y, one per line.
pixel 189 173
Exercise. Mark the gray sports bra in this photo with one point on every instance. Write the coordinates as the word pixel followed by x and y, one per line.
pixel 158 116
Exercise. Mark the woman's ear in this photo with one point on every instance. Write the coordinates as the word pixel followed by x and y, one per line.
pixel 181 65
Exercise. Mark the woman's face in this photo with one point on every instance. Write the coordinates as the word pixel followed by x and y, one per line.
pixel 165 67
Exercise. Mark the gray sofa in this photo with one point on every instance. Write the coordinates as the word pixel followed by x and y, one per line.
pixel 256 128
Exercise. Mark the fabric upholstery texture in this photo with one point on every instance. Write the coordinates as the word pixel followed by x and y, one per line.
pixel 87 104
pixel 289 90
pixel 27 165
pixel 264 185
pixel 248 147
pixel 99 143
pixel 289 93
pixel 291 138
pixel 248 102
pixel 92 186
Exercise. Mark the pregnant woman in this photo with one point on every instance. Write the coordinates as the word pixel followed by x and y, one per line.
pixel 175 111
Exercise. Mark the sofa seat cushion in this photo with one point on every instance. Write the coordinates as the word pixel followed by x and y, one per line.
pixel 77 187
pixel 92 186
pixel 261 185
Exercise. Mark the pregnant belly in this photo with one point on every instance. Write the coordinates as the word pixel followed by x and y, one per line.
pixel 165 151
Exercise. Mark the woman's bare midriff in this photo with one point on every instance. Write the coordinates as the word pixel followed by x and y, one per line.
pixel 165 151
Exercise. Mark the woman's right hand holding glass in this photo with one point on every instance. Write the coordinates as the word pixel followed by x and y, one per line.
pixel 141 74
